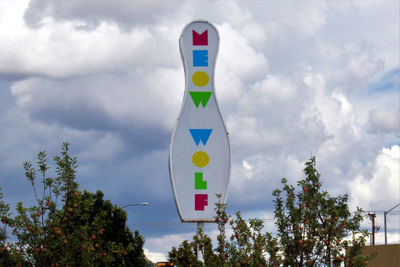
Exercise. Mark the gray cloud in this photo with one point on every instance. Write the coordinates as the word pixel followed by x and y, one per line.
pixel 91 13
pixel 123 107
pixel 385 119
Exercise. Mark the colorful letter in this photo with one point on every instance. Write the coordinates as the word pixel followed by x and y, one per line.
pixel 200 135
pixel 200 58
pixel 200 97
pixel 200 39
pixel 199 184
pixel 200 201
pixel 200 78
pixel 200 159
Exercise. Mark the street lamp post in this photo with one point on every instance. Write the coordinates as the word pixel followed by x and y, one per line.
pixel 384 219
pixel 136 204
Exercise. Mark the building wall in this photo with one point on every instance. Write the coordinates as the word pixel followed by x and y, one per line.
pixel 388 255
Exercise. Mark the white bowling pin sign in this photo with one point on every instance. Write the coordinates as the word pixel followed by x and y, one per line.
pixel 199 159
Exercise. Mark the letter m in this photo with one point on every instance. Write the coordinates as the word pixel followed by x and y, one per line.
pixel 200 39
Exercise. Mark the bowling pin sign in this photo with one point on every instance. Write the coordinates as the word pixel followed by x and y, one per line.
pixel 199 159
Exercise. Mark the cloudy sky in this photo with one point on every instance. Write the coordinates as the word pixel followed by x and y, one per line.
pixel 293 79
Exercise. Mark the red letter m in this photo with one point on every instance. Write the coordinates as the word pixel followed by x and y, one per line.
pixel 200 39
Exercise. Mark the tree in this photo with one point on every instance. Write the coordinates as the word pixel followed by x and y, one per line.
pixel 5 259
pixel 130 251
pixel 185 255
pixel 313 226
pixel 67 227
pixel 313 229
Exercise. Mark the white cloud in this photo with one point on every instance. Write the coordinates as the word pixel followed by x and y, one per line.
pixel 384 119
pixel 306 18
pixel 267 91
pixel 60 50
pixel 160 246
pixel 362 66
pixel 233 74
pixel 392 238
pixel 63 49
pixel 155 256
pixel 243 21
pixel 380 189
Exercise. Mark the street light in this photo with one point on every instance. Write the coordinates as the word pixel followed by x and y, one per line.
pixel 384 218
pixel 136 204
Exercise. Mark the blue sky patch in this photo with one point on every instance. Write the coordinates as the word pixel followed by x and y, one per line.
pixel 387 83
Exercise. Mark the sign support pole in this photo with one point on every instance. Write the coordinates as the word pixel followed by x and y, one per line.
pixel 200 226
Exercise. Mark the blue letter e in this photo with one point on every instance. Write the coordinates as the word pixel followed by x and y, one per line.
pixel 200 58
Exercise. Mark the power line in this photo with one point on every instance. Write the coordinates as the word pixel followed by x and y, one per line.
pixel 266 220
pixel 380 211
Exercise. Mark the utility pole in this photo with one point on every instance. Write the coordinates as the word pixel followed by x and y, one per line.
pixel 372 217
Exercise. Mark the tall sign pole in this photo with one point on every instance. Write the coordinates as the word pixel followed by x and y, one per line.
pixel 199 159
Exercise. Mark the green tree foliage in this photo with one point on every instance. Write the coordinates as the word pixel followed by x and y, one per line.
pixel 67 227
pixel 185 255
pixel 313 229
pixel 313 226
pixel 5 259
